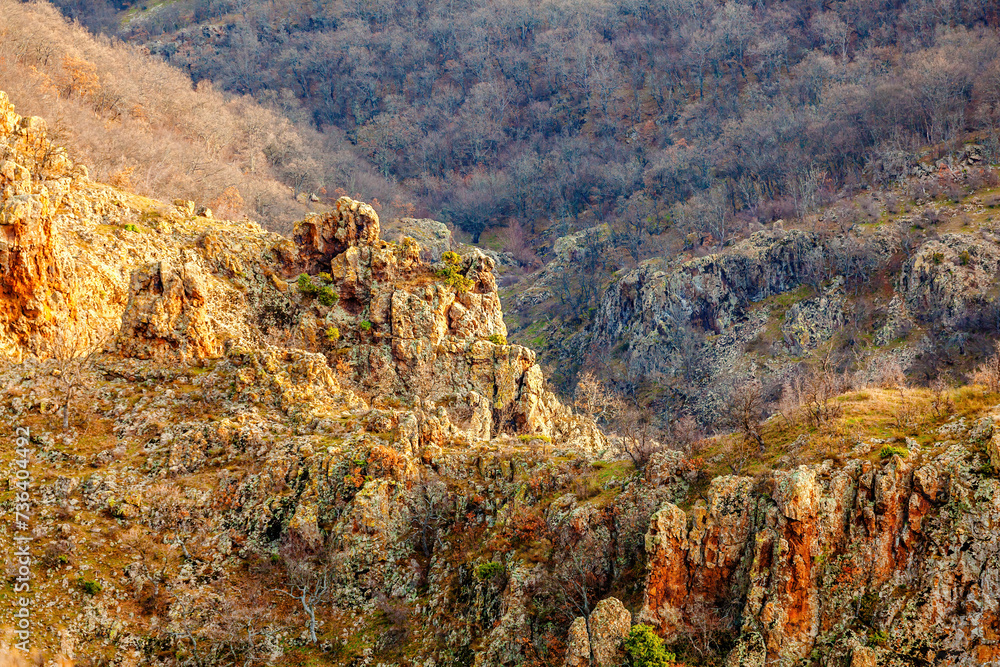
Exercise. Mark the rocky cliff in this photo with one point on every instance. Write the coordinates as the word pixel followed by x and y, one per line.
pixel 863 563
pixel 322 450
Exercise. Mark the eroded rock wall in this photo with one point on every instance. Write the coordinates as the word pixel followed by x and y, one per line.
pixel 826 558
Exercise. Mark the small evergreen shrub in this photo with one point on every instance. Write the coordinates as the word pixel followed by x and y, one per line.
pixel 89 586
pixel 131 228
pixel 489 570
pixel 332 334
pixel 453 277
pixel 327 296
pixel 365 325
pixel 889 450
pixel 645 648
pixel 498 339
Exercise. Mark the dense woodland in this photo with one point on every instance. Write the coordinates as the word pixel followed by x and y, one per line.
pixel 542 111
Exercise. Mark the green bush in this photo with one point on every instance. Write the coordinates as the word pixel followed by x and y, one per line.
pixel 325 277
pixel 89 586
pixel 131 228
pixel 306 284
pixel 645 648
pixel 489 570
pixel 498 339
pixel 365 325
pixel 450 258
pixel 333 334
pixel 454 278
pixel 889 450
pixel 327 296
pixel 878 638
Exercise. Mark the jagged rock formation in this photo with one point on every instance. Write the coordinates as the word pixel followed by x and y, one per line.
pixel 951 280
pixel 757 308
pixel 180 288
pixel 343 398
pixel 609 624
pixel 821 557
pixel 320 238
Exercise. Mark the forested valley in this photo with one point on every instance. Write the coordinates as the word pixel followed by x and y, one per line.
pixel 684 115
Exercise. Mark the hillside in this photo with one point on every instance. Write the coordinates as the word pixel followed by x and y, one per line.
pixel 661 119
pixel 142 125
pixel 895 283
pixel 324 452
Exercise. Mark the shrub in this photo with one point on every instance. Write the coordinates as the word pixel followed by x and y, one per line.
pixel 131 228
pixel 454 278
pixel 325 277
pixel 450 258
pixel 332 334
pixel 327 296
pixel 878 638
pixel 485 571
pixel 645 648
pixel 890 450
pixel 306 284
pixel 365 326
pixel 498 339
pixel 89 586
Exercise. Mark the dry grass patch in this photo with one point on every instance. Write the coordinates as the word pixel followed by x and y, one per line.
pixel 888 414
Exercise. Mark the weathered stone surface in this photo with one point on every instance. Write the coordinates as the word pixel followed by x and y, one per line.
pixel 949 278
pixel 177 312
pixel 433 237
pixel 750 651
pixel 322 237
pixel 808 543
pixel 578 644
pixel 610 623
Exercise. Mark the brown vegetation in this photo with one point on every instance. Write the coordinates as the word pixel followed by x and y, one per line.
pixel 140 124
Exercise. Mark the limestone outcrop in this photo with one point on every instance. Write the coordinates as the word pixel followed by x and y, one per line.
pixel 598 641
pixel 813 557
pixel 322 237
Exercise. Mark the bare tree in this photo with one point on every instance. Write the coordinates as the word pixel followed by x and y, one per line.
pixel 430 509
pixel 308 571
pixel 73 358
pixel 640 435
pixel 821 388
pixel 988 372
pixel 744 410
pixel 594 399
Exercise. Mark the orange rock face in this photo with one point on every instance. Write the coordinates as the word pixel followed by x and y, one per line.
pixel 29 274
pixel 816 553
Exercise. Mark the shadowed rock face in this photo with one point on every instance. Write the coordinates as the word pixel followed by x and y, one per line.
pixel 815 551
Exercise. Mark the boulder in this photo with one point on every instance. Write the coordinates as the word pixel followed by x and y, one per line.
pixel 320 238
pixel 610 623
